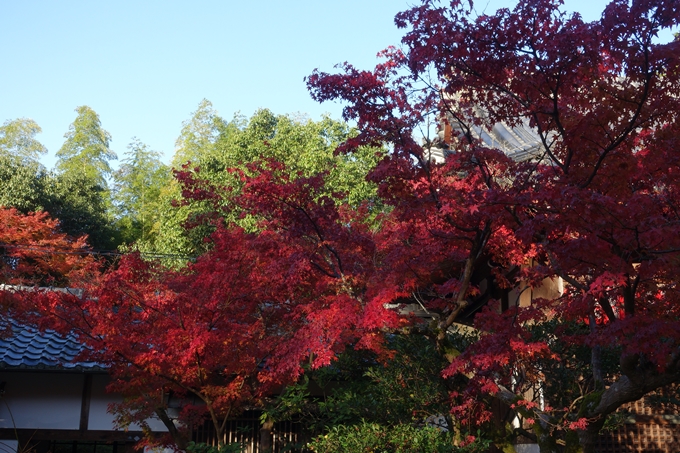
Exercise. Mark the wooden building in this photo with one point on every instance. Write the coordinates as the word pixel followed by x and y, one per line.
pixel 51 403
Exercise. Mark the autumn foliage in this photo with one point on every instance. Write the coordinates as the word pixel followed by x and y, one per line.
pixel 468 239
pixel 36 253
pixel 596 206
pixel 242 320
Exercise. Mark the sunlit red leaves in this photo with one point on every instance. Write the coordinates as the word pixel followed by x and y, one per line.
pixel 603 215
pixel 505 344
pixel 246 316
pixel 35 252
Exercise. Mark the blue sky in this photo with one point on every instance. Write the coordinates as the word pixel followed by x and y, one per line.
pixel 144 66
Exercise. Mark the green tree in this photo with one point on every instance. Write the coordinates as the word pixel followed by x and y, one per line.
pixel 17 138
pixel 363 402
pixel 199 135
pixel 306 148
pixel 22 177
pixel 22 183
pixel 86 149
pixel 82 207
pixel 213 146
pixel 79 195
pixel 138 185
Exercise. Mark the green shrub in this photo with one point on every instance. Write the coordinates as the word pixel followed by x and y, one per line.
pixel 371 437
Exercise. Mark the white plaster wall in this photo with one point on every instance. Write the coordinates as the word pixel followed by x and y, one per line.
pixel 53 401
pixel 522 295
pixel 100 418
pixel 41 400
pixel 551 288
pixel 527 448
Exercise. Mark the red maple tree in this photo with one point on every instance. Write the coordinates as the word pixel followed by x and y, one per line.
pixel 596 207
pixel 238 323
pixel 36 253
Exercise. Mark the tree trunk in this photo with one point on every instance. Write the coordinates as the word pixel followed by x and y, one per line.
pixel 266 437
pixel 178 437
pixel 588 437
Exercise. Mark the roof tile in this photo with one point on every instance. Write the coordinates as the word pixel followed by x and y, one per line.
pixel 27 347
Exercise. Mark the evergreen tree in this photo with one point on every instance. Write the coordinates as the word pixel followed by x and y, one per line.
pixel 86 149
pixel 17 139
pixel 80 197
pixel 138 185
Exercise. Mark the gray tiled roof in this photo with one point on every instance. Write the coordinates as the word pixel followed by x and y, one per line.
pixel 27 348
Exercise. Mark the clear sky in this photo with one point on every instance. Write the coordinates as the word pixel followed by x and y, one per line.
pixel 144 66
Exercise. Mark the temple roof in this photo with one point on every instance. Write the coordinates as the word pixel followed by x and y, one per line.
pixel 28 348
